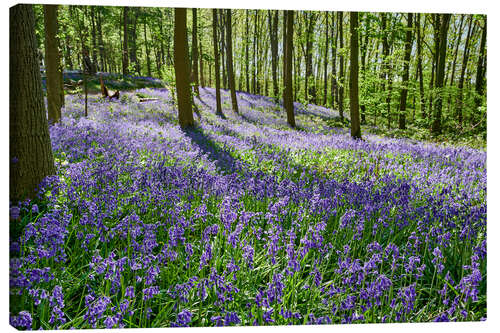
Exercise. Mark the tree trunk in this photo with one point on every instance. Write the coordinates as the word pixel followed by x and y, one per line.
pixel 148 60
pixel 133 42
pixel 310 89
pixel 182 69
pixel 100 40
pixel 223 48
pixel 273 35
pixel 419 67
pixel 202 76
pixel 217 65
pixel 230 72
pixel 481 68
pixel 443 31
pixel 364 49
pixel 247 74
pixel 125 42
pixel 387 68
pixel 94 38
pixel 465 59
pixel 55 92
pixel 30 152
pixel 287 96
pixel 334 64
pixel 325 72
pixel 353 79
pixel 340 17
pixel 406 74
pixel 254 61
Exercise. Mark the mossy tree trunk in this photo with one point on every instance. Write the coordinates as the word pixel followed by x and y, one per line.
pixel 30 154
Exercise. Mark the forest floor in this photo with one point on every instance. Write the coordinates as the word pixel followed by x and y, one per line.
pixel 245 221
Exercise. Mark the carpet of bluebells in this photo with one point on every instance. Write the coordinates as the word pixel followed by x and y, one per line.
pixel 244 221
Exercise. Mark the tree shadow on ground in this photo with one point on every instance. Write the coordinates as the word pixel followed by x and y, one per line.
pixel 221 157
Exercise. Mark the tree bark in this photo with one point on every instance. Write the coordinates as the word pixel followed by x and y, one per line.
pixel 419 67
pixel 273 35
pixel 287 96
pixel 182 69
pixel 55 91
pixel 406 74
pixel 217 65
pixel 230 72
pixel 30 151
pixel 443 31
pixel 148 59
pixel 125 42
pixel 100 40
pixel 353 80
pixel 480 68
pixel 340 17
pixel 194 52
pixel 325 72
pixel 334 64
pixel 465 59
pixel 247 74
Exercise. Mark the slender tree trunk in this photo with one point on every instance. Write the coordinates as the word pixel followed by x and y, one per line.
pixel 443 31
pixel 353 80
pixel 273 35
pixel 194 52
pixel 217 66
pixel 325 72
pixel 230 72
pixel 55 92
pixel 419 67
pixel 247 74
pixel 125 42
pixel 94 39
pixel 223 48
pixel 30 151
pixel 364 49
pixel 148 56
pixel 182 69
pixel 406 73
pixel 310 89
pixel 334 64
pixel 481 68
pixel 133 42
pixel 254 60
pixel 287 96
pixel 100 40
pixel 340 17
pixel 465 59
pixel 202 76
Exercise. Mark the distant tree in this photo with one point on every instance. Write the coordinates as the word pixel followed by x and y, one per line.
pixel 406 74
pixel 125 42
pixel 340 26
pixel 353 79
pixel 325 62
pixel 55 91
pixel 419 66
pixel 461 80
pixel 30 153
pixel 229 53
pixel 288 93
pixel 481 61
pixel 194 52
pixel 443 32
pixel 217 65
pixel 273 36
pixel 181 65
